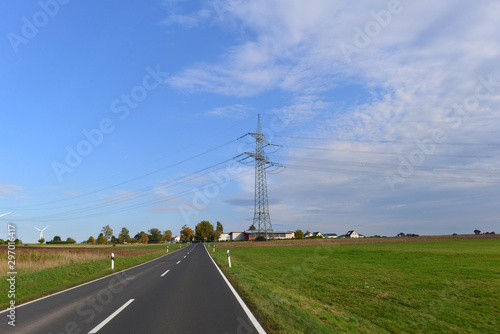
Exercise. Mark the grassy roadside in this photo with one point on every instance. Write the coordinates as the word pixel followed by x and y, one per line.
pixel 32 284
pixel 424 287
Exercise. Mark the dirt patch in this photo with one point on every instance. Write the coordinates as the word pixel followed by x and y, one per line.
pixel 307 242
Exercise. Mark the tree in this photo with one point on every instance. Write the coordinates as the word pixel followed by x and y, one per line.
pixel 101 239
pixel 138 235
pixel 401 234
pixel 124 236
pixel 218 231
pixel 252 227
pixel 107 232
pixel 307 233
pixel 220 228
pixel 70 240
pixel 476 231
pixel 91 240
pixel 41 241
pixel 155 235
pixel 204 231
pixel 144 238
pixel 56 239
pixel 186 234
pixel 167 235
pixel 299 234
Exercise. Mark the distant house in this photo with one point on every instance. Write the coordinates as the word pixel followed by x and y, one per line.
pixel 224 237
pixel 235 236
pixel 176 239
pixel 317 234
pixel 353 234
pixel 330 235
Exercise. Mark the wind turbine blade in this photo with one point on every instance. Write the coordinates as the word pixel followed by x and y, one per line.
pixel 5 214
pixel 37 229
pixel 44 228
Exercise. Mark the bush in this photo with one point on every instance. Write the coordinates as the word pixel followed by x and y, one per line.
pixel 260 238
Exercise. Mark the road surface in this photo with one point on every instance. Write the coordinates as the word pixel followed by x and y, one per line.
pixel 182 292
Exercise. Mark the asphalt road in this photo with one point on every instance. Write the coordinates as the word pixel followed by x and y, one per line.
pixel 182 292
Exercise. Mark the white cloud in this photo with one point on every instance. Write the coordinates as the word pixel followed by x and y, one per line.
pixel 232 111
pixel 10 190
pixel 415 70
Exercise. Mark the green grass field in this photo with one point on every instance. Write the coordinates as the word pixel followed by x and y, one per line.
pixel 409 287
pixel 35 283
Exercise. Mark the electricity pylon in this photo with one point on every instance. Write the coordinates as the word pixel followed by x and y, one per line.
pixel 261 217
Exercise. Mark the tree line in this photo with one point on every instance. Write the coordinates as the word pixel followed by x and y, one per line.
pixel 204 231
pixel 153 235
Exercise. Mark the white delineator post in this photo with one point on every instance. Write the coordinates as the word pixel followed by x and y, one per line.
pixel 229 258
pixel 112 260
pixel 167 249
pixel 214 248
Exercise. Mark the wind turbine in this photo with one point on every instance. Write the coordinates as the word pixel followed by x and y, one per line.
pixel 5 214
pixel 41 232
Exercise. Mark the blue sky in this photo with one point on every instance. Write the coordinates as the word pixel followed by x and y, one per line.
pixel 129 113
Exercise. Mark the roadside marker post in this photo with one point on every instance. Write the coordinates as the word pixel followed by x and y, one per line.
pixel 167 249
pixel 214 248
pixel 229 258
pixel 112 260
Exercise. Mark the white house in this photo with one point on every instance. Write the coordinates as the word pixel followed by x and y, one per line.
pixel 234 236
pixel 354 234
pixel 176 239
pixel 224 237
pixel 330 235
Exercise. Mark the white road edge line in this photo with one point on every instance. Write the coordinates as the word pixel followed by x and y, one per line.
pixel 249 313
pixel 165 273
pixel 108 319
pixel 97 279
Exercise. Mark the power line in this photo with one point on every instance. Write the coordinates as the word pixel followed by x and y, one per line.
pixel 126 181
pixel 99 204
pixel 382 141
pixel 387 153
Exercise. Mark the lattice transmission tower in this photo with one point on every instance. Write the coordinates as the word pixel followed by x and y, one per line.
pixel 261 217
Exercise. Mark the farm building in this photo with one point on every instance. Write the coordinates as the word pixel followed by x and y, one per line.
pixel 224 237
pixel 330 235
pixel 252 234
pixel 235 236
